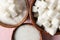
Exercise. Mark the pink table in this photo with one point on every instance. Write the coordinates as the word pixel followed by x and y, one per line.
pixel 6 33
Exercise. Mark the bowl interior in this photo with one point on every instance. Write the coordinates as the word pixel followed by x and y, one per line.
pixel 34 19
pixel 21 20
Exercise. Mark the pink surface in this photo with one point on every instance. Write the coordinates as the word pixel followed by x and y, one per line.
pixel 5 33
pixel 56 37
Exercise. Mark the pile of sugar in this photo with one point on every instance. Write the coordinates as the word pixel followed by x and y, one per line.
pixel 11 12
pixel 48 14
pixel 27 32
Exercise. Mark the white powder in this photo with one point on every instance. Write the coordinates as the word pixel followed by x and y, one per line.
pixel 11 11
pixel 27 32
pixel 48 14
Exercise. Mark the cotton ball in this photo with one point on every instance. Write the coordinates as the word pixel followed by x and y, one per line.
pixel 34 9
pixel 52 4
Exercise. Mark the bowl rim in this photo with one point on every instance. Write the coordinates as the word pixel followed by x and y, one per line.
pixel 26 24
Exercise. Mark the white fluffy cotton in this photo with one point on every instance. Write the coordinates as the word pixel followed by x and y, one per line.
pixel 27 32
pixel 49 15
pixel 8 13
